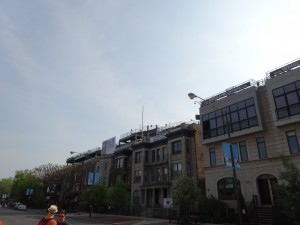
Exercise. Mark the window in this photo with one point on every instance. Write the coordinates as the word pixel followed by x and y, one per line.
pixel 262 151
pixel 226 188
pixel 152 175
pixel 239 116
pixel 146 156
pixel 212 157
pixel 136 197
pixel 146 176
pixel 157 155
pixel 137 175
pixel 188 146
pixel 153 155
pixel 165 154
pixel 287 100
pixel 137 157
pixel 165 175
pixel 293 142
pixel 158 175
pixel 243 151
pixel 176 147
pixel 176 169
pixel 119 163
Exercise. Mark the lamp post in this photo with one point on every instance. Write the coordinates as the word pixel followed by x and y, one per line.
pixel 224 118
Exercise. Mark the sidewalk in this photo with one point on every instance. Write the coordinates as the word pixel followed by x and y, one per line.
pixel 123 220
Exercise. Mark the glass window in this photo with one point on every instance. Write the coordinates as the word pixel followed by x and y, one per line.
pixel 205 117
pixel 278 91
pixel 289 87
pixel 242 115
pixel 234 117
pixel 280 102
pixel 293 142
pixel 251 112
pixel 165 175
pixel 137 175
pixel 249 102
pixel 241 105
pixel 262 151
pixel 176 147
pixel 212 157
pixel 146 156
pixel 226 188
pixel 165 154
pixel 233 107
pixel 243 151
pixel 287 101
pixel 136 197
pixel 153 155
pixel 157 155
pixel 282 113
pixel 295 109
pixel 176 169
pixel 212 124
pixel 137 157
pixel 212 115
pixel 292 98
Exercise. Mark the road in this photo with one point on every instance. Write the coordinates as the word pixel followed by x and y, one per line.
pixel 16 217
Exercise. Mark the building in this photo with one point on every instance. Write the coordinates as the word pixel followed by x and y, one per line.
pixel 159 158
pixel 261 121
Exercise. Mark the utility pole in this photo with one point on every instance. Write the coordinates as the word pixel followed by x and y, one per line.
pixel 227 124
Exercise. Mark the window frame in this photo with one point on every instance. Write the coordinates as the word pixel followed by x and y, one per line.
pixel 243 151
pixel 292 141
pixel 261 145
pixel 176 147
pixel 212 157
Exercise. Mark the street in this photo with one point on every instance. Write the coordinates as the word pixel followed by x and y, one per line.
pixel 16 217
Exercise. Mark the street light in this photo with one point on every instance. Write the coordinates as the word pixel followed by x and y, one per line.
pixel 224 118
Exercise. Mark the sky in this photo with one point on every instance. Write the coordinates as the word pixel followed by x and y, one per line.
pixel 76 73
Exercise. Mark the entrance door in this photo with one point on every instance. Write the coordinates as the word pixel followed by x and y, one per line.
pixel 265 189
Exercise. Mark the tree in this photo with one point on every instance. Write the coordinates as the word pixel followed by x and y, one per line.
pixel 53 179
pixel 185 193
pixel 288 192
pixel 98 196
pixel 5 186
pixel 118 195
pixel 212 208
pixel 23 180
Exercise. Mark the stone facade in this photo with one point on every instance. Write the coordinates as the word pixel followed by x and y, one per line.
pixel 260 168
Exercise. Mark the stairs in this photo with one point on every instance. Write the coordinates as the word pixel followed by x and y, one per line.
pixel 261 215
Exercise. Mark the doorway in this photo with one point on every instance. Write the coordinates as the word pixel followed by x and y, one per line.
pixel 265 188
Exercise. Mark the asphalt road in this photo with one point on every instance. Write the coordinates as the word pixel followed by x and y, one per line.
pixel 16 217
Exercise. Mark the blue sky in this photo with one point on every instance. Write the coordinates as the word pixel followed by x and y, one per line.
pixel 75 73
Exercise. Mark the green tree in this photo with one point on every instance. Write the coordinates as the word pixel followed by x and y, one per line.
pixel 185 193
pixel 23 180
pixel 213 209
pixel 118 195
pixel 5 186
pixel 288 192
pixel 52 178
pixel 98 196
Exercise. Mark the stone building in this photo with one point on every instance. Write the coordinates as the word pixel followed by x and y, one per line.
pixel 159 159
pixel 261 121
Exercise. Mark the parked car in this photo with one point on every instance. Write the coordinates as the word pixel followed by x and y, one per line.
pixel 20 206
